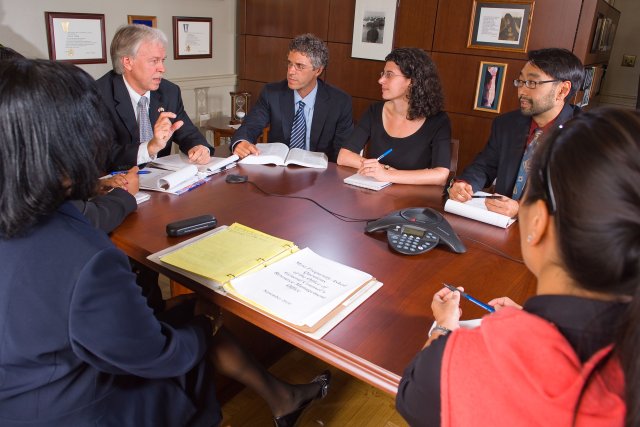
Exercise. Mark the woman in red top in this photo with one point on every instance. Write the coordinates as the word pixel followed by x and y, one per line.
pixel 570 355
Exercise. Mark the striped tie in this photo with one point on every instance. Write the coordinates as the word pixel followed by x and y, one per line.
pixel 525 165
pixel 144 124
pixel 299 128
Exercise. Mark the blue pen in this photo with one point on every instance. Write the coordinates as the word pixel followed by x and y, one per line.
pixel 124 172
pixel 470 298
pixel 381 156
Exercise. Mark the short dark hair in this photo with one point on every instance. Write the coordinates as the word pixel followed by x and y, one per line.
pixel 425 93
pixel 560 64
pixel 313 48
pixel 590 167
pixel 55 135
pixel 6 53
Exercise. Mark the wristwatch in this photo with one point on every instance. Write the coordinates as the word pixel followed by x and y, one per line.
pixel 441 329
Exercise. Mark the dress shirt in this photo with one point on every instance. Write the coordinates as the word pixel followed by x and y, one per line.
pixel 309 102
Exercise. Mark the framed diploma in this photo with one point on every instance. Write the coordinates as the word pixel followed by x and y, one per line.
pixel 192 37
pixel 501 24
pixel 76 37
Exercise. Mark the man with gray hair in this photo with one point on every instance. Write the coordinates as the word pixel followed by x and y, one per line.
pixel 302 111
pixel 146 110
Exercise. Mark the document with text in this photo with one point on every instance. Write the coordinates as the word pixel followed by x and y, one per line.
pixel 279 154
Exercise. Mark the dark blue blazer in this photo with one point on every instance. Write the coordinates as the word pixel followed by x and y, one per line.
pixel 500 159
pixel 116 97
pixel 332 118
pixel 78 344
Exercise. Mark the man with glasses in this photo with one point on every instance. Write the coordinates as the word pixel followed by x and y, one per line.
pixel 546 84
pixel 302 111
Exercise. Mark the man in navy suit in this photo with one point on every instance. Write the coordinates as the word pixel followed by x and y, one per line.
pixel 328 119
pixel 546 84
pixel 138 54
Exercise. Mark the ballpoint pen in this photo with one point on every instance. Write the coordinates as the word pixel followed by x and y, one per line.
pixel 486 197
pixel 381 156
pixel 125 172
pixel 470 298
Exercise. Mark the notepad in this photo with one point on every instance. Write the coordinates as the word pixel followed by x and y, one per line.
pixel 279 154
pixel 169 181
pixel 178 161
pixel 230 253
pixel 366 182
pixel 476 209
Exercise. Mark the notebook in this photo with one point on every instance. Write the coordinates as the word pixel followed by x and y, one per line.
pixel 366 182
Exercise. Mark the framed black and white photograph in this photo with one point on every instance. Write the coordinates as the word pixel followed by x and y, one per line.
pixel 149 21
pixel 500 25
pixel 373 28
pixel 76 37
pixel 491 77
pixel 192 37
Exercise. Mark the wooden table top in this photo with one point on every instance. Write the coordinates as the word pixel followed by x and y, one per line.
pixel 377 340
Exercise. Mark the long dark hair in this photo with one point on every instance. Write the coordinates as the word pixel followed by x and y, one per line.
pixel 588 172
pixel 55 135
pixel 425 93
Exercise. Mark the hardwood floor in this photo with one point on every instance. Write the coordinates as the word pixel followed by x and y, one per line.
pixel 350 402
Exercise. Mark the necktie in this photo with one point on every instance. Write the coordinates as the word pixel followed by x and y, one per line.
pixel 525 165
pixel 299 128
pixel 144 124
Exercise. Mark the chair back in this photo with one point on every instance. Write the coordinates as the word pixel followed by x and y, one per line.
pixel 455 146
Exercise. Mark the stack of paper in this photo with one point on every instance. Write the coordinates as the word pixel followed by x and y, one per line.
pixel 366 182
pixel 476 209
pixel 179 161
pixel 169 181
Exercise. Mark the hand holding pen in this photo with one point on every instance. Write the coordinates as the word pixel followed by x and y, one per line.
pixel 469 297
pixel 373 168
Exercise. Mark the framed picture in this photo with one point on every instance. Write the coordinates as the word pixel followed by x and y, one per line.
pixel 149 21
pixel 373 28
pixel 192 37
pixel 76 37
pixel 500 25
pixel 489 88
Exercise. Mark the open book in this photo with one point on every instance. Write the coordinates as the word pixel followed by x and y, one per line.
pixel 366 182
pixel 476 209
pixel 174 182
pixel 178 161
pixel 279 154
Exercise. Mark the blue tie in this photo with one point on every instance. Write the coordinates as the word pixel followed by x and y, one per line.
pixel 525 165
pixel 299 128
pixel 144 124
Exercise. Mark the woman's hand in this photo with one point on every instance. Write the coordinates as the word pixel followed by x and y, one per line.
pixel 372 168
pixel 502 302
pixel 446 308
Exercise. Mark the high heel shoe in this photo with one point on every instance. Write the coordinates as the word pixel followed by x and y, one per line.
pixel 290 419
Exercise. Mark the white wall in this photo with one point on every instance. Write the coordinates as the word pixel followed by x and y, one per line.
pixel 23 28
pixel 621 83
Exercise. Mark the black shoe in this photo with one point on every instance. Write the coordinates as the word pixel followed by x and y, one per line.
pixel 290 419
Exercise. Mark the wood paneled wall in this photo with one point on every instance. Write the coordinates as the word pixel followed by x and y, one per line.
pixel 441 27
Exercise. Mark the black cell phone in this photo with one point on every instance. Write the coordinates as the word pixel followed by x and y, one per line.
pixel 191 225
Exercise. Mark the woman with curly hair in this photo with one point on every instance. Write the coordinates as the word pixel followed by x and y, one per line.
pixel 409 122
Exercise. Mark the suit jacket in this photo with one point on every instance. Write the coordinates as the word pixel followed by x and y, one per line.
pixel 107 211
pixel 332 118
pixel 501 157
pixel 125 149
pixel 80 346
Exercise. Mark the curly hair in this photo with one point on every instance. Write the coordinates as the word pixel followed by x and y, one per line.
pixel 425 92
pixel 313 48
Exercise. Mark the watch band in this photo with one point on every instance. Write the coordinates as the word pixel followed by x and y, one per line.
pixel 441 329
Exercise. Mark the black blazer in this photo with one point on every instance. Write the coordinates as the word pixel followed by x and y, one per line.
pixel 124 152
pixel 332 118
pixel 500 159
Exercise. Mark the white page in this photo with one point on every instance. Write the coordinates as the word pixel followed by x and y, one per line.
pixel 310 159
pixel 273 152
pixel 180 160
pixel 476 209
pixel 169 181
pixel 300 286
pixel 365 182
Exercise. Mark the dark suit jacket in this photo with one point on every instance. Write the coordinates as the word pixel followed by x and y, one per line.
pixel 79 345
pixel 107 211
pixel 332 118
pixel 501 157
pixel 116 97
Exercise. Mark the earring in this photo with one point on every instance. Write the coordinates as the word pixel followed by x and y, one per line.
pixel 529 238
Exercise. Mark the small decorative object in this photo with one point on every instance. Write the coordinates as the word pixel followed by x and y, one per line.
pixel 192 37
pixel 500 25
pixel 628 60
pixel 76 37
pixel 373 27
pixel 239 105
pixel 149 21
pixel 490 84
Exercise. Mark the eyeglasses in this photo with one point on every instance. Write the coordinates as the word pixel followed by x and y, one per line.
pixel 389 75
pixel 531 84
pixel 298 67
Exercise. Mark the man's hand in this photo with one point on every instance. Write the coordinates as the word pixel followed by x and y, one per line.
pixel 162 132
pixel 199 155
pixel 504 205
pixel 460 191
pixel 245 148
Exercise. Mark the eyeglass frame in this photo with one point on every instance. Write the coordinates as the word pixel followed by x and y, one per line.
pixel 519 83
pixel 299 67
pixel 390 74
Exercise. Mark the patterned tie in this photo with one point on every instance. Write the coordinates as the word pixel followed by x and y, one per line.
pixel 144 124
pixel 299 128
pixel 525 165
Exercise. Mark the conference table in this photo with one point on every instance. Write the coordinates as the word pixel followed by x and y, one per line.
pixel 379 338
